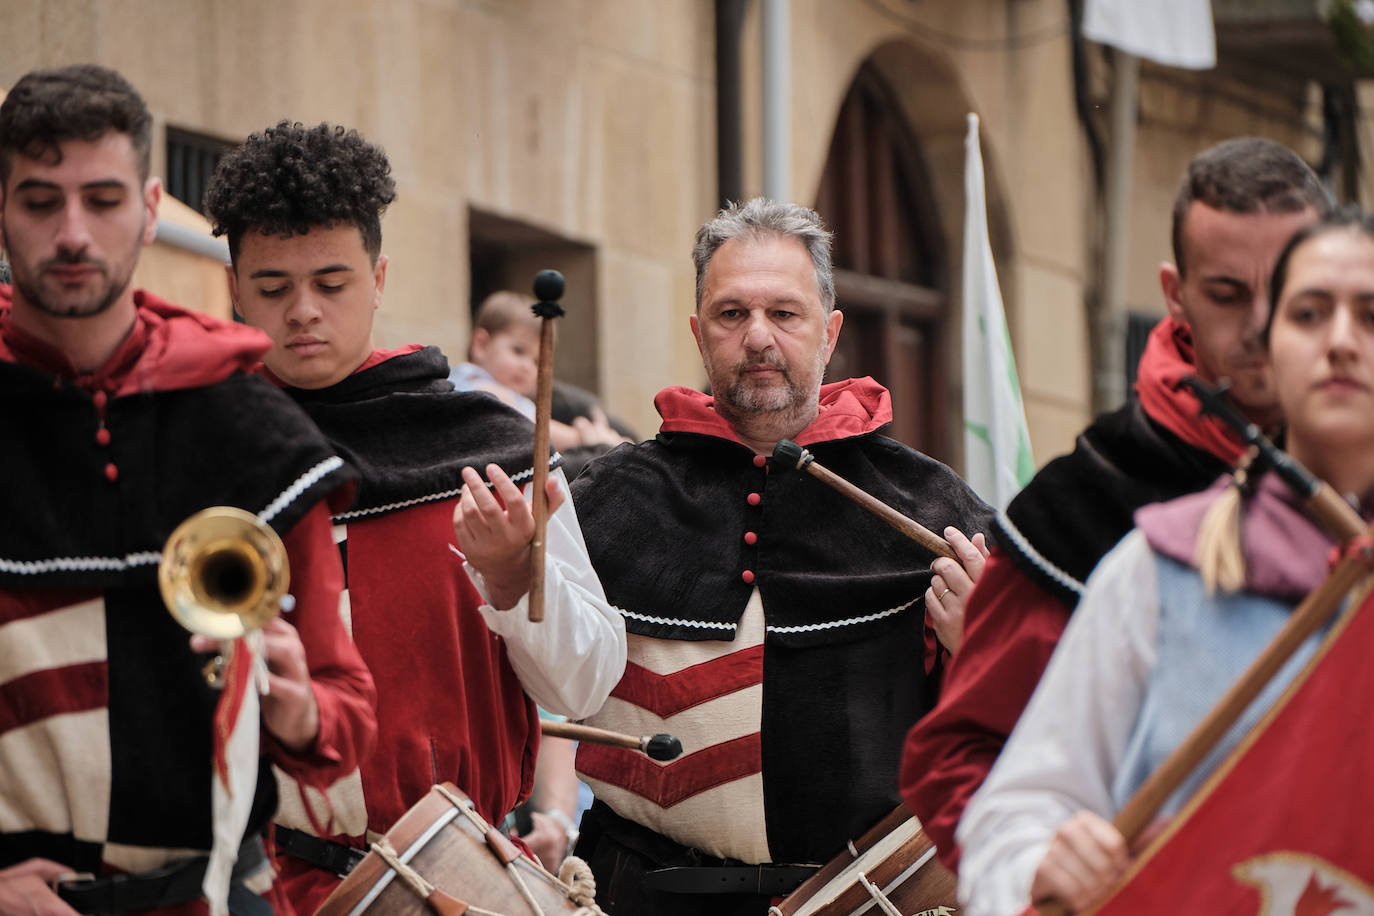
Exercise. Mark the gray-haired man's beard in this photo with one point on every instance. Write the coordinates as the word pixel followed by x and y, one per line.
pixel 744 397
pixel 748 397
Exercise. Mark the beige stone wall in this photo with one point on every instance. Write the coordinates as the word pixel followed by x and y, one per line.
pixel 1010 64
pixel 180 275
pixel 1181 114
pixel 594 120
pixel 591 119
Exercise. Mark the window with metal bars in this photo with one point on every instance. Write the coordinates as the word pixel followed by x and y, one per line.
pixel 191 160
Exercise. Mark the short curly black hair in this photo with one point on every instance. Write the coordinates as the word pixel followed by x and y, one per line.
pixel 291 178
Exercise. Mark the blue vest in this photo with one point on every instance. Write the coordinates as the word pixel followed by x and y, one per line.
pixel 1203 646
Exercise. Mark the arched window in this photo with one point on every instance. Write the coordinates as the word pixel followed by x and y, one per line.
pixel 890 278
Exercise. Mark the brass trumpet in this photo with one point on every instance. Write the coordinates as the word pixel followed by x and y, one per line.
pixel 223 572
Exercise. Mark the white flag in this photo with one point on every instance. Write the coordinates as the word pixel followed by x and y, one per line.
pixel 235 771
pixel 1175 33
pixel 997 452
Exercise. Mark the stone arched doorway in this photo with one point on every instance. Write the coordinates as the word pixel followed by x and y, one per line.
pixel 892 189
pixel 889 259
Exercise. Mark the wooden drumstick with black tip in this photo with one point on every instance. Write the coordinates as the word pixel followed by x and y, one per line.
pixel 657 747
pixel 548 288
pixel 791 455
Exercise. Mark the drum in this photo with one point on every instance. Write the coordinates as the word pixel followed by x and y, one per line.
pixel 442 857
pixel 890 871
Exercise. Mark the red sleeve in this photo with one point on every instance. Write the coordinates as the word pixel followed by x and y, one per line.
pixel 343 686
pixel 1011 627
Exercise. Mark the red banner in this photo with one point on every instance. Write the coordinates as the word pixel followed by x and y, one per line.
pixel 1285 827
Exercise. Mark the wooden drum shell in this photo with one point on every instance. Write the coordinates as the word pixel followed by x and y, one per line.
pixel 446 848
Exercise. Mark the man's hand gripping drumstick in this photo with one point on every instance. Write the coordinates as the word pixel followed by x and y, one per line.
pixel 495 529
pixel 959 560
pixel 499 535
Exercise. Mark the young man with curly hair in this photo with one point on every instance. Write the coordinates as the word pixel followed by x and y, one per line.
pixel 436 558
pixel 124 415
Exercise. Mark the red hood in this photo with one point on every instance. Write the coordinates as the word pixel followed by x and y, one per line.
pixel 377 358
pixel 1167 361
pixel 168 348
pixel 849 408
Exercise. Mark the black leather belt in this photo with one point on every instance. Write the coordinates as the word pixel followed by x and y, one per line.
pixel 167 886
pixel 326 854
pixel 179 882
pixel 769 880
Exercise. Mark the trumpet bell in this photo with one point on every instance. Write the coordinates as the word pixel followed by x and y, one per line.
pixel 223 572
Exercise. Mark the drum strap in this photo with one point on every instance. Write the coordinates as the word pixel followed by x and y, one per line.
pixel 326 854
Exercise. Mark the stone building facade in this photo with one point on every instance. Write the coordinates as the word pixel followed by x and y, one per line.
pixel 582 135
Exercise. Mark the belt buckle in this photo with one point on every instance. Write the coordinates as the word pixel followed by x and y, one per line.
pixel 351 861
pixel 57 882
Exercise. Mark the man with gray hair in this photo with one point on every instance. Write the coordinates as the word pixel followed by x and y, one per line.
pixel 774 624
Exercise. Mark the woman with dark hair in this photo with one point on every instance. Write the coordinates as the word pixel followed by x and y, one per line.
pixel 1160 634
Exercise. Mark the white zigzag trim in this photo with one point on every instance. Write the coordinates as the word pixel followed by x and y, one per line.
pixel 153 557
pixel 1044 565
pixel 403 504
pixel 303 483
pixel 82 564
pixel 673 621
pixel 526 474
pixel 852 621
pixel 555 462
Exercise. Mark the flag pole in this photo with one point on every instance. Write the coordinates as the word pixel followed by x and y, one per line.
pixel 997 451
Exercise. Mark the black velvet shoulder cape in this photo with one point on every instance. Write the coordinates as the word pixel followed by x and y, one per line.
pixel 409 434
pixel 238 442
pixel 1079 505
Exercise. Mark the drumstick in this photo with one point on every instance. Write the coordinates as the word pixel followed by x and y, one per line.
pixel 548 286
pixel 657 747
pixel 792 455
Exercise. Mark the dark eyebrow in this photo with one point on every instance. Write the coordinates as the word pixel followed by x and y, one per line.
pixel 29 184
pixel 32 184
pixel 1229 281
pixel 329 269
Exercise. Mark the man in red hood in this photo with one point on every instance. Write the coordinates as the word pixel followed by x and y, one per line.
pixel 776 627
pixel 1237 206
pixel 436 545
pixel 124 415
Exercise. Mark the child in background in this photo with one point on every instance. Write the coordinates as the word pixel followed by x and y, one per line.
pixel 503 359
pixel 503 356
